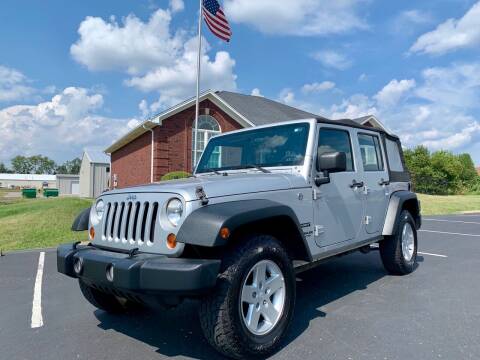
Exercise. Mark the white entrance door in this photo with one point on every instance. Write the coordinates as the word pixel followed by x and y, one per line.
pixel 75 190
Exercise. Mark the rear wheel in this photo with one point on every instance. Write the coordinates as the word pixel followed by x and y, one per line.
pixel 250 309
pixel 399 251
pixel 101 300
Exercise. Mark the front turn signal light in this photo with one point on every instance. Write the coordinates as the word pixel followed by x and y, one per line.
pixel 91 233
pixel 171 241
pixel 225 233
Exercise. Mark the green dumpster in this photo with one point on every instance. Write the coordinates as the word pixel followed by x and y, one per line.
pixel 29 193
pixel 50 192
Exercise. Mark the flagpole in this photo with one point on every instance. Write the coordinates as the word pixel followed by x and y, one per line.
pixel 197 102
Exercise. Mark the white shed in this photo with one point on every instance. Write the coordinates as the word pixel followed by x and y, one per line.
pixel 94 173
pixel 68 184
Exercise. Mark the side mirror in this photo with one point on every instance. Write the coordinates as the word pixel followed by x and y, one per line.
pixel 332 162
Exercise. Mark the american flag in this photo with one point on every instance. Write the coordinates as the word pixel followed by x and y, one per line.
pixel 216 20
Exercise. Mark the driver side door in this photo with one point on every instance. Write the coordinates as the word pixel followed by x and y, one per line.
pixel 339 205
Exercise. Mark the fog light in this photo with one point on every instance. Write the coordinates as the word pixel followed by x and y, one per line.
pixel 109 273
pixel 92 233
pixel 171 241
pixel 78 265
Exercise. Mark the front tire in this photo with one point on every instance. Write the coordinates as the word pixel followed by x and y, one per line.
pixel 249 311
pixel 399 251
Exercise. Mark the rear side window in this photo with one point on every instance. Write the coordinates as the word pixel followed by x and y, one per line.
pixel 393 154
pixel 333 140
pixel 371 152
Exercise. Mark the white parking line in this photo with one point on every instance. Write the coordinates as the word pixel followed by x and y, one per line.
pixel 430 254
pixel 454 221
pixel 449 233
pixel 37 319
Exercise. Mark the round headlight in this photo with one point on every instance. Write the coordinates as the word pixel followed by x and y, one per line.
pixel 174 211
pixel 99 209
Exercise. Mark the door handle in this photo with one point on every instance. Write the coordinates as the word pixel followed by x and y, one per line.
pixel 356 184
pixel 383 182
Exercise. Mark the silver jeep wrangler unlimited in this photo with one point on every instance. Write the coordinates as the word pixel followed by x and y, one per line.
pixel 263 204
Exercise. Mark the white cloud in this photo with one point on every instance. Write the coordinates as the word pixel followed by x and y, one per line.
pixel 287 96
pixel 132 45
pixel 354 107
pixel 394 91
pixel 455 86
pixel 152 55
pixel 318 87
pixel 13 85
pixel 59 128
pixel 177 5
pixel 332 59
pixel 177 82
pixel 451 35
pixel 256 92
pixel 407 21
pixel 303 17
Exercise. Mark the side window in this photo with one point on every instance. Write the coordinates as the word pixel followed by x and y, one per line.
pixel 332 140
pixel 393 154
pixel 371 152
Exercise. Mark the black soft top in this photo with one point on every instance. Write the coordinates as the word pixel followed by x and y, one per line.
pixel 395 176
pixel 354 124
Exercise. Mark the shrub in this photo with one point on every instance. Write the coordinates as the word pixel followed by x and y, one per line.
pixel 441 172
pixel 175 175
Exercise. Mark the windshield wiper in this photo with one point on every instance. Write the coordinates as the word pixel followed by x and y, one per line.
pixel 216 172
pixel 258 167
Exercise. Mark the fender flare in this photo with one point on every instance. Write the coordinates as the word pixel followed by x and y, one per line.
pixel 202 227
pixel 81 221
pixel 395 205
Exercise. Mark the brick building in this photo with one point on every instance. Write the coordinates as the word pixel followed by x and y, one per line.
pixel 164 143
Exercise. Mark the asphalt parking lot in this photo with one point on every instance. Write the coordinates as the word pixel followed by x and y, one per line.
pixel 347 308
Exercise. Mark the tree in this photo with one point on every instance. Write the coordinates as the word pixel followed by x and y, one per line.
pixel 468 174
pixel 71 167
pixel 36 164
pixel 21 165
pixel 441 172
pixel 4 169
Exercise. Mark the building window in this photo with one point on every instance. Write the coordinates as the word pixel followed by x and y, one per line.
pixel 207 127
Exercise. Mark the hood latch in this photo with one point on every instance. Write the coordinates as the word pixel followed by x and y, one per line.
pixel 201 195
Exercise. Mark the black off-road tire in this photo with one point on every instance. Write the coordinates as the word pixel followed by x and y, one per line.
pixel 219 312
pixel 101 300
pixel 391 248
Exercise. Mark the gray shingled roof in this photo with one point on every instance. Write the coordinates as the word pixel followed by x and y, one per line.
pixel 97 156
pixel 262 111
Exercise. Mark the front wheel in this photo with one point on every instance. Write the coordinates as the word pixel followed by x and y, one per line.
pixel 252 305
pixel 399 251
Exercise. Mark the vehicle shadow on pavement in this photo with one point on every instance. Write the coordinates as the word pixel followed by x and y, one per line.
pixel 177 331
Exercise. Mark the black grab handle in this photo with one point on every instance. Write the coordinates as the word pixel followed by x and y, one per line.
pixel 356 184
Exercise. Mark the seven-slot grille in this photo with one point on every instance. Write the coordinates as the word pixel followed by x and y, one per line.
pixel 130 221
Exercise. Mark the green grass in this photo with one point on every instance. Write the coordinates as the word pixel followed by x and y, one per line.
pixel 39 223
pixel 442 205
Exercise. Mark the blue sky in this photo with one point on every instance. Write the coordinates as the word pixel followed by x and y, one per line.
pixel 81 75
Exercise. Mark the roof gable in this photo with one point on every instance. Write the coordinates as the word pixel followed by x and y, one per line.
pixel 97 156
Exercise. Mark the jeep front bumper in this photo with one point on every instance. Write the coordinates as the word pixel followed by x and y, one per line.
pixel 142 274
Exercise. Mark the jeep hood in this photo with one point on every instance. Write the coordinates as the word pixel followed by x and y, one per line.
pixel 219 185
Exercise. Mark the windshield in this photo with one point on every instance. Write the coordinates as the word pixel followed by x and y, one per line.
pixel 282 145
